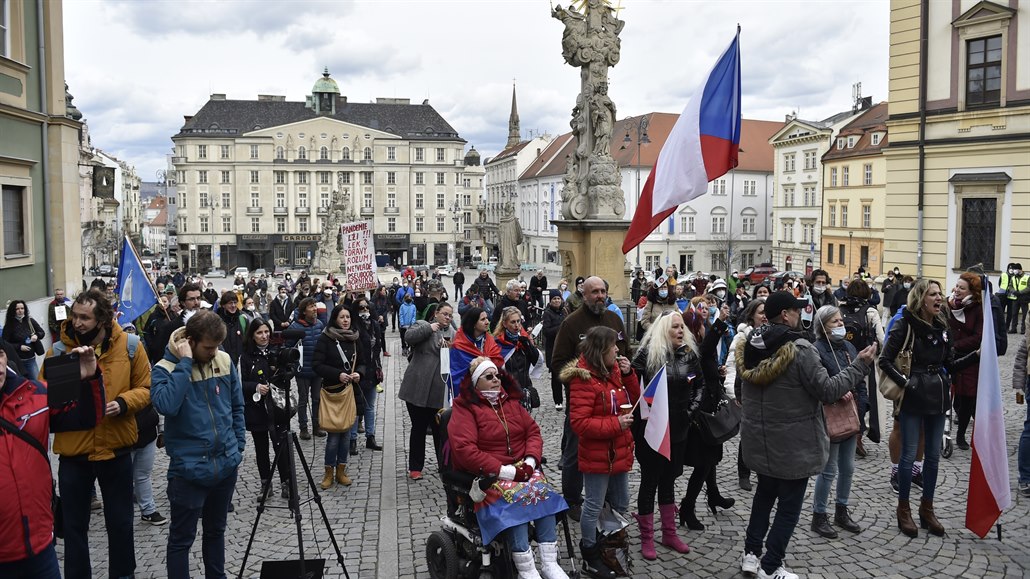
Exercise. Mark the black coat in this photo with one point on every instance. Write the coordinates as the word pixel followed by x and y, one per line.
pixel 18 332
pixel 927 388
pixel 552 321
pixel 686 385
pixel 537 287
pixel 280 312
pixel 505 302
pixel 328 363
pixel 234 328
pixel 255 369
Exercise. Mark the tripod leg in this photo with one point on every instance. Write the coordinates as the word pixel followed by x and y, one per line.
pixel 318 501
pixel 265 487
pixel 295 495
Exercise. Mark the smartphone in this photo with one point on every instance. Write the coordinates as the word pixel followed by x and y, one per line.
pixel 62 379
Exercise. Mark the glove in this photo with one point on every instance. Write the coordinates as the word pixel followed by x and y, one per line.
pixel 524 340
pixel 523 472
pixel 508 472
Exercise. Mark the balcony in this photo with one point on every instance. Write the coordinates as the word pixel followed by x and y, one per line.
pixel 323 210
pixel 368 211
pixel 391 210
pixel 302 211
pixel 280 210
pixel 179 160
pixel 255 210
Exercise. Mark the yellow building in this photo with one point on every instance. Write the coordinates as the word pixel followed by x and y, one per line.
pixel 958 166
pixel 854 172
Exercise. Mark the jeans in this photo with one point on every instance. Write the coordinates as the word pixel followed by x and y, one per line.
pixel 488 307
pixel 1023 456
pixel 518 536
pixel 369 415
pixel 790 495
pixel 31 368
pixel 76 478
pixel 262 438
pixel 42 565
pixel 421 419
pixel 189 502
pixel 336 451
pixel 308 386
pixel 933 427
pixel 598 487
pixel 142 487
pixel 571 478
pixel 842 456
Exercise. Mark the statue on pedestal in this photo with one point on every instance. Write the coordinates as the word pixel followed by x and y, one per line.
pixel 509 236
pixel 330 247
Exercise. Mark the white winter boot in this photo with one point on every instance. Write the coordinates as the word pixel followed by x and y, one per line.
pixel 525 564
pixel 549 567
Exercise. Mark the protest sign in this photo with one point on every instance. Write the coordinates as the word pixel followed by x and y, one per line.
pixel 359 255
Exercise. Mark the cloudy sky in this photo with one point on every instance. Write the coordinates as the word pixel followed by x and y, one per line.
pixel 137 66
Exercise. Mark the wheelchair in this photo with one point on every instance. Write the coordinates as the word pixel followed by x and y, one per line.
pixel 456 549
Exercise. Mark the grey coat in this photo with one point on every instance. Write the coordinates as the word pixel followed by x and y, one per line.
pixel 422 384
pixel 782 431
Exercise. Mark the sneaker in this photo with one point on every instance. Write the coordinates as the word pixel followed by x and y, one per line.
pixel 154 518
pixel 749 564
pixel 304 434
pixel 559 407
pixel 1024 489
pixel 894 482
pixel 781 573
pixel 387 354
pixel 415 475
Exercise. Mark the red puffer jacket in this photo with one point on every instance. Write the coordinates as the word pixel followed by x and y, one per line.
pixel 478 440
pixel 604 447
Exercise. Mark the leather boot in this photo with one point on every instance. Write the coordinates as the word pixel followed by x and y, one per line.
pixel 905 522
pixel 687 516
pixel 370 442
pixel 842 518
pixel 821 526
pixel 353 447
pixel 860 450
pixel 928 520
pixel 646 523
pixel 327 479
pixel 341 475
pixel 669 537
pixel 592 563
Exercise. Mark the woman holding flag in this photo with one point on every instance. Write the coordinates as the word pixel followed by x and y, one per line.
pixel 668 361
pixel 471 341
pixel 517 349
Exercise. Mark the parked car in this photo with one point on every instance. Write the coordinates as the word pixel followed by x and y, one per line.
pixel 447 269
pixel 757 274
pixel 260 272
pixel 241 272
pixel 216 273
pixel 106 270
pixel 280 272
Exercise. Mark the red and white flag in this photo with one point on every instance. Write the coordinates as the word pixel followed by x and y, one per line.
pixel 989 492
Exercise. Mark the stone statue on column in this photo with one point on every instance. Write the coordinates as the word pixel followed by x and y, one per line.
pixel 509 236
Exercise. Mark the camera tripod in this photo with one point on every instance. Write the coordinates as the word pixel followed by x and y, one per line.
pixel 288 442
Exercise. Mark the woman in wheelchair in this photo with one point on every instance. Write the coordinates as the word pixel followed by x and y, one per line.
pixel 492 436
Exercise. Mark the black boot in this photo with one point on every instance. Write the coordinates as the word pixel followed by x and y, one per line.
pixel 370 442
pixel 353 447
pixel 715 500
pixel 821 526
pixel 961 443
pixel 842 518
pixel 688 518
pixel 592 563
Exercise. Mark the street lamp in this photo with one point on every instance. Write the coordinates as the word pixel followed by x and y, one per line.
pixel 642 139
pixel 456 216
pixel 851 236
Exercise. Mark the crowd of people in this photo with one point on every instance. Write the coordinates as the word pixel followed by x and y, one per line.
pixel 203 370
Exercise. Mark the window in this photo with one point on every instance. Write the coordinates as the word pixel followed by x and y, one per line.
pixel 875 139
pixel 439 155
pixel 203 224
pixel 419 200
pixel 829 253
pixel 983 71
pixel 686 224
pixel 468 218
pixel 719 261
pixel 280 153
pixel 280 177
pixel 718 224
pixel 843 215
pixel 203 199
pixel 323 153
pixel 15 217
pixel 224 177
pixel 391 224
pixel 368 154
pixel 867 216
pixel 346 177
pixel 840 254
pixel 867 178
pixel 302 200
pixel 844 176
pixel 788 196
pixel 302 225
pixel 182 225
pixel 440 224
pixel 253 151
pixel 653 262
pixel 368 200
pixel 441 201
pixel 255 177
pixel 863 256
pixel 420 224
pixel 466 200
pixel 719 187
pixel 302 177
pixel 840 142
pixel 226 199
pixel 324 199
pixel 391 200
pixel 440 178
pixel 391 178
pixel 808 233
pixel 809 160
pixel 420 154
pixel 420 178
pixel 255 224
pixel 202 151
pixel 280 199
pixel 224 151
pixel 747 259
pixel 226 224
pixel 750 187
pixel 201 177
pixel 324 177
pixel 748 225
pixel 833 215
pixel 833 176
pixel 391 153
pixel 810 196
pixel 788 231
pixel 366 178
pixel 280 225
pixel 788 161
pixel 302 153
pixel 979 231
pixel 345 154
pixel 255 199
pixel 851 141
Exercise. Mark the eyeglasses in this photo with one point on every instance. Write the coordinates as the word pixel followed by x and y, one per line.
pixel 491 376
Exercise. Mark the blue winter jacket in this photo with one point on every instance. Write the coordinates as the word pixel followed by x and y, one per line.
pixel 408 313
pixel 404 291
pixel 203 409
pixel 311 333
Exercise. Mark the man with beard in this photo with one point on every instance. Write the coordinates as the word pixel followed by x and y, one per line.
pixel 593 313
pixel 102 453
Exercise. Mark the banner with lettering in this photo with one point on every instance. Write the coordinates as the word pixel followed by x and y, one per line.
pixel 359 255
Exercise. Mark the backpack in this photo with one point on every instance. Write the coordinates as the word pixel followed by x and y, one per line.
pixel 856 322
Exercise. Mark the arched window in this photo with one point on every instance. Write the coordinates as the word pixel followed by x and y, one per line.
pixel 323 153
pixel 368 153
pixel 279 153
pixel 718 220
pixel 302 153
pixel 345 154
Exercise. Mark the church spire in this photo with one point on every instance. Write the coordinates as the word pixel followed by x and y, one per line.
pixel 513 122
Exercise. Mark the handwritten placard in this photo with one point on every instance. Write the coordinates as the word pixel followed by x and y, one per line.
pixel 359 255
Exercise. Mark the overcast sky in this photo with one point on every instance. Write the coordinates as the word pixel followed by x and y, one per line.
pixel 136 67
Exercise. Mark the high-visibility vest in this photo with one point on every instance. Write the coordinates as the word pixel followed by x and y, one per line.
pixel 1019 283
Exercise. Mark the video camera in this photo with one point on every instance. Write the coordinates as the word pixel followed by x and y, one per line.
pixel 285 359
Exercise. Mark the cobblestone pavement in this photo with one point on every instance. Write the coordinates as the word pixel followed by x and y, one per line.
pixel 382 521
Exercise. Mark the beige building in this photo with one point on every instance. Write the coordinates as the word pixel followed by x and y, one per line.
pixel 958 167
pixel 256 178
pixel 854 174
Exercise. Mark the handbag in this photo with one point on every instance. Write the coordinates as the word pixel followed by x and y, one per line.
pixel 337 410
pixel 903 362
pixel 55 499
pixel 842 418
pixel 721 425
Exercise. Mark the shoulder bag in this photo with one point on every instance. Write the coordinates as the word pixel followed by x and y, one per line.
pixel 721 425
pixel 337 410
pixel 55 499
pixel 842 418
pixel 903 362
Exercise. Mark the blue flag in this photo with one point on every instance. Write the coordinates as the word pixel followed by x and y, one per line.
pixel 136 294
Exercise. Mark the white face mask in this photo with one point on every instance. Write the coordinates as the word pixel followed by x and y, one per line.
pixel 837 334
pixel 491 396
pixel 907 285
pixel 250 308
pixel 819 289
pixel 721 294
pixel 564 287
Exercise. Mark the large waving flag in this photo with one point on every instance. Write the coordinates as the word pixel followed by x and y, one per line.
pixel 136 293
pixel 655 408
pixel 702 146
pixel 989 492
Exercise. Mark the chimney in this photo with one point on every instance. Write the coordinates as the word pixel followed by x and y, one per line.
pixel 218 96
pixel 271 98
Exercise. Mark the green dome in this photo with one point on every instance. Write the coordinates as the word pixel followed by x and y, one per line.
pixel 325 84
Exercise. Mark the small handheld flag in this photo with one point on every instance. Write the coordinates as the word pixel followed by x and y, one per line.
pixel 655 399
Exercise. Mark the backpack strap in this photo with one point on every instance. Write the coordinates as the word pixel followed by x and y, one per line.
pixel 132 345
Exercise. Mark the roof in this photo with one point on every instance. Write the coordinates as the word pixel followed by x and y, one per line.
pixel 756 154
pixel 873 120
pixel 161 219
pixel 508 152
pixel 157 202
pixel 222 118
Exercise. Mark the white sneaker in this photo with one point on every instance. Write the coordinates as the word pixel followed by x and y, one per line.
pixel 749 564
pixel 781 573
pixel 559 406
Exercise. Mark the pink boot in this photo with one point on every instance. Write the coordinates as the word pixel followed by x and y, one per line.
pixel 669 537
pixel 646 523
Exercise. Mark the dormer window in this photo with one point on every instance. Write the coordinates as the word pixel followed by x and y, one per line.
pixel 851 141
pixel 840 143
pixel 876 139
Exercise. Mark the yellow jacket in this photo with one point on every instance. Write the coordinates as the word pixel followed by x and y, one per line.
pixel 126 381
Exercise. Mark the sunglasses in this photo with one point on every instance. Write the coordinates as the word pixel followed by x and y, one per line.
pixel 491 376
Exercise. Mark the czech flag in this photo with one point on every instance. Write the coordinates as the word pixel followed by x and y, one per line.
pixel 989 492
pixel 702 146
pixel 655 408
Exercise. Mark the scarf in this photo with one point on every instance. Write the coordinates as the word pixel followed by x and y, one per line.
pixel 340 335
